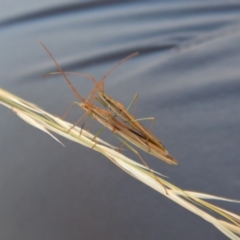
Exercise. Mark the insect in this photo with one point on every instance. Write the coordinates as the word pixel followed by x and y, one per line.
pixel 106 119
pixel 152 145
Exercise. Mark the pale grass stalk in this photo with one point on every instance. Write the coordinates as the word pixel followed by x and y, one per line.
pixel 192 201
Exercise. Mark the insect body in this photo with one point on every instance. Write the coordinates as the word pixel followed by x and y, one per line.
pixel 150 143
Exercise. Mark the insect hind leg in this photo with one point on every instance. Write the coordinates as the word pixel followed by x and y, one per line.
pixel 147 133
pixel 144 163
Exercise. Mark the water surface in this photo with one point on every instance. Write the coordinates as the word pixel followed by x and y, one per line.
pixel 187 76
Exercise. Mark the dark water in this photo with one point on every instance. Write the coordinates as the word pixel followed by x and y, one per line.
pixel 187 76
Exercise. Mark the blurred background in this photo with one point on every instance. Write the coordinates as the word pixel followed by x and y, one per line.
pixel 187 76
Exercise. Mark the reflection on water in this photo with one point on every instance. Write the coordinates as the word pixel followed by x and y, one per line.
pixel 187 75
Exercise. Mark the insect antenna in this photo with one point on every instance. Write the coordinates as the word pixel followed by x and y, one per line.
pixel 100 84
